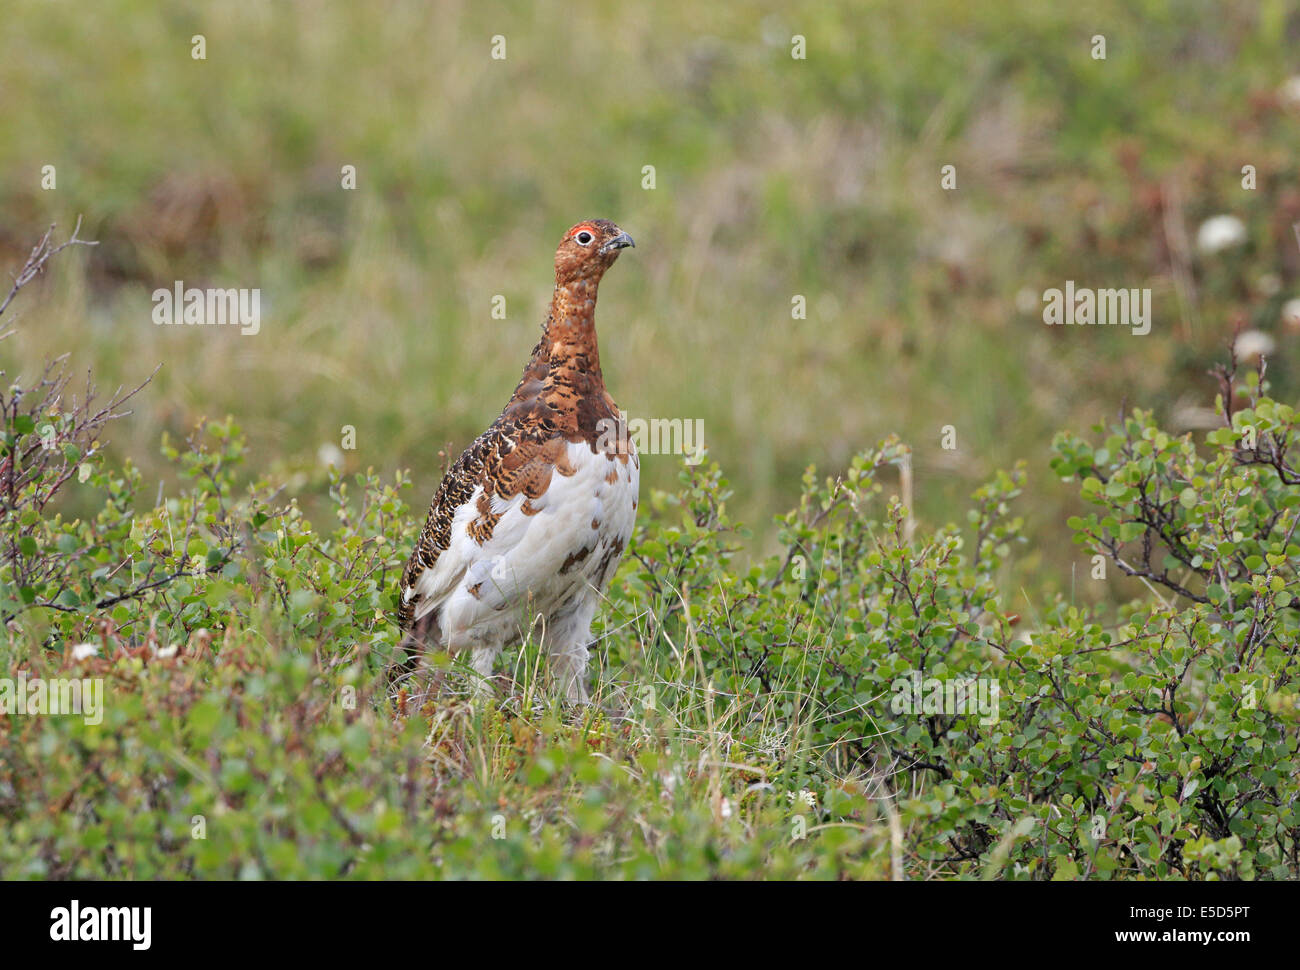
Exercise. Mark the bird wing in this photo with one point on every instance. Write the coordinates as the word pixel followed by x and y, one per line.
pixel 514 515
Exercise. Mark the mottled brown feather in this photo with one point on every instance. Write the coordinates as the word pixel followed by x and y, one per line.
pixel 560 399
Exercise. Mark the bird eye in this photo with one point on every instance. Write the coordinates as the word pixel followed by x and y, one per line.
pixel 584 238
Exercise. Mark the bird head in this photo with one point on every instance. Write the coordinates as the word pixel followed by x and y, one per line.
pixel 588 249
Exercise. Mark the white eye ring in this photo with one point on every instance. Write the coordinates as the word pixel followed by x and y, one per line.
pixel 584 238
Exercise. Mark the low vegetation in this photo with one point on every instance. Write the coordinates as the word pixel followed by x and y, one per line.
pixel 864 703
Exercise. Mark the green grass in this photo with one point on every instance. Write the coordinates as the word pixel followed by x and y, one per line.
pixel 775 177
pixel 747 722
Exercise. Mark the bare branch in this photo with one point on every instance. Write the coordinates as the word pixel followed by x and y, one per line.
pixel 42 253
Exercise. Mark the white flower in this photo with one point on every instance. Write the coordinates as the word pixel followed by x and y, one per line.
pixel 1289 92
pixel 1218 233
pixel 83 650
pixel 1253 343
pixel 330 455
pixel 1291 313
pixel 167 651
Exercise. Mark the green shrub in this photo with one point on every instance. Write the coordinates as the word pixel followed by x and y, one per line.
pixel 861 704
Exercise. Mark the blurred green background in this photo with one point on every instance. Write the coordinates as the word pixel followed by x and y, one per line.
pixel 775 177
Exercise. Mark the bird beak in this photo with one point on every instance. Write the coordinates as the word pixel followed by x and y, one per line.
pixel 621 241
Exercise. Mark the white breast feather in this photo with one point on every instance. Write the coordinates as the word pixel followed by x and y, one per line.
pixel 526 552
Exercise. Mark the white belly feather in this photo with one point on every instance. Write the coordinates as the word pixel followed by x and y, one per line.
pixel 535 564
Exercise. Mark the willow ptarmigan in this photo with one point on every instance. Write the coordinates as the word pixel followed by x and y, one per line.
pixel 529 524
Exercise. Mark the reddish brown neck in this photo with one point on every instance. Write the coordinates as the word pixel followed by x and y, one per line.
pixel 562 382
pixel 569 339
